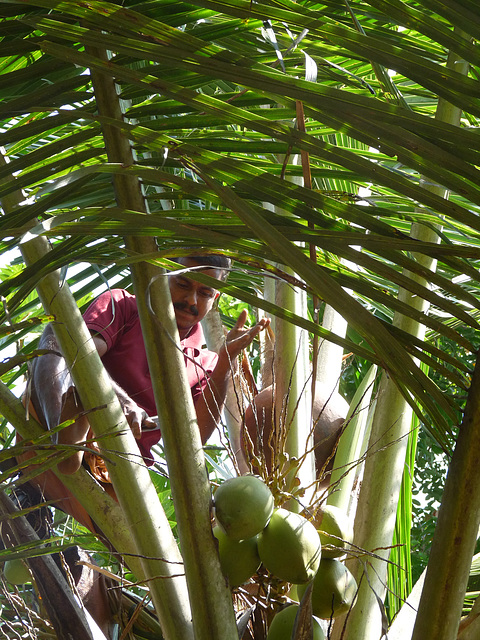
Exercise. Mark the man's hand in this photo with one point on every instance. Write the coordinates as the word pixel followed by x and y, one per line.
pixel 136 417
pixel 209 405
pixel 240 338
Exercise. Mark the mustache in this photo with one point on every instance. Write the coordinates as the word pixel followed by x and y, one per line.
pixel 183 306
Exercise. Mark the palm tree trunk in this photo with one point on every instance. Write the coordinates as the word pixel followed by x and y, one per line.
pixel 210 598
pixel 456 532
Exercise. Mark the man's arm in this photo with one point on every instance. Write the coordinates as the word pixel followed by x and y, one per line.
pixel 135 415
pixel 209 404
pixel 55 400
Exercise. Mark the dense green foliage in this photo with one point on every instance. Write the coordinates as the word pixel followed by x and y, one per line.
pixel 228 120
pixel 323 111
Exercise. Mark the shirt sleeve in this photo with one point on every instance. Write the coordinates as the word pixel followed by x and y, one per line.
pixel 110 315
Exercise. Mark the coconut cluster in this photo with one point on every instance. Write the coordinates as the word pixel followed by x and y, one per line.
pixel 250 531
pixel 243 508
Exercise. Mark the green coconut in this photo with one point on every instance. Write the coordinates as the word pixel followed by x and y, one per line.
pixel 239 559
pixel 16 572
pixel 282 624
pixel 334 589
pixel 243 506
pixel 335 529
pixel 290 547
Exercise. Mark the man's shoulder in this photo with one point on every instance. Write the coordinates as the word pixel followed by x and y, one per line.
pixel 114 305
pixel 115 296
pixel 121 294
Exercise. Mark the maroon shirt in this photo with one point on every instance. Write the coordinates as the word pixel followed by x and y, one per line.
pixel 114 316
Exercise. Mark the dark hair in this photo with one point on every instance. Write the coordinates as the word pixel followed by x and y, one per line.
pixel 215 260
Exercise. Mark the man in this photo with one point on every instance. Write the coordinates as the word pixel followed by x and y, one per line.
pixel 115 326
pixel 113 320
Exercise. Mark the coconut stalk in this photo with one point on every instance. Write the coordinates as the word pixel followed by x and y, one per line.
pixel 136 494
pixel 292 398
pixel 329 358
pixel 378 500
pixel 400 583
pixel 267 340
pixel 291 365
pixel 452 547
pixel 215 338
pixel 350 447
pixel 210 598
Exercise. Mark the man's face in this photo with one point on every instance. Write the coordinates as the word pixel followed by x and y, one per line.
pixel 191 300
